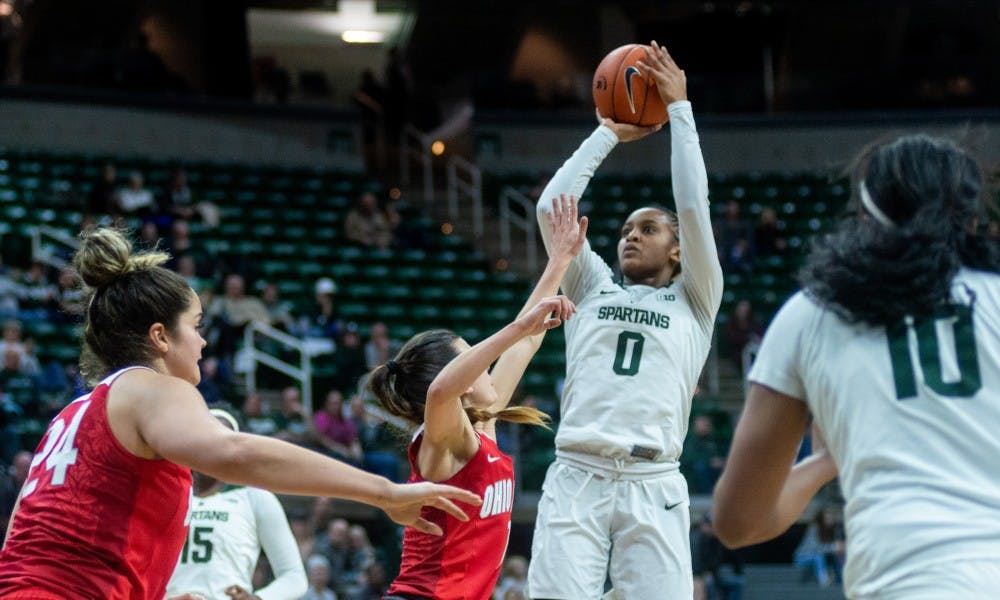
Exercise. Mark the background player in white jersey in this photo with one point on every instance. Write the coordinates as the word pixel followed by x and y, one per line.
pixel 894 346
pixel 228 530
pixel 615 499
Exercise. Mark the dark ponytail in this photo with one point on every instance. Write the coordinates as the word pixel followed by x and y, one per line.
pixel 899 255
pixel 401 384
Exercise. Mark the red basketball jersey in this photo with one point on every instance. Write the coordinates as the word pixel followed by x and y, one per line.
pixel 95 521
pixel 465 562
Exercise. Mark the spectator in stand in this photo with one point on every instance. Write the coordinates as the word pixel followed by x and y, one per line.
pixel 134 199
pixel 102 200
pixel 232 312
pixel 291 419
pixel 735 240
pixel 69 296
pixel 149 235
pixel 257 420
pixel 360 555
pixel 211 383
pixel 11 482
pixel 372 584
pixel 334 432
pixel 324 322
pixel 38 294
pixel 333 544
pixel 718 571
pixel 187 269
pixel 318 572
pixel 178 202
pixel 10 292
pixel 24 348
pixel 742 328
pixel 366 225
pixel 304 535
pixel 380 347
pixel 378 442
pixel 767 238
pixel 513 577
pixel 350 358
pixel 704 458
pixel 279 310
pixel 180 245
pixel 22 396
pixel 820 553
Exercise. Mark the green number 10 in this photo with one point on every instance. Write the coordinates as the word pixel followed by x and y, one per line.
pixel 929 354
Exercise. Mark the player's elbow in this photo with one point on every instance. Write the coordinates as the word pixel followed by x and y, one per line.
pixel 735 528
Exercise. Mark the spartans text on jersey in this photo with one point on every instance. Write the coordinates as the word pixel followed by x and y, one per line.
pixel 634 315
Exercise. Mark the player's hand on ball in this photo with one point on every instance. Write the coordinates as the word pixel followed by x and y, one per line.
pixel 406 501
pixel 626 132
pixel 671 81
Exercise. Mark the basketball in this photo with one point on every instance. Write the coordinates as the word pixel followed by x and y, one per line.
pixel 622 91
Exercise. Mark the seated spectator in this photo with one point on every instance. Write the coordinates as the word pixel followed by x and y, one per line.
pixel 735 240
pixel 149 235
pixel 304 535
pixel 378 441
pixel 820 554
pixel 318 574
pixel 324 322
pixel 380 347
pixel 20 388
pixel 232 312
pixel 38 294
pixel 186 268
pixel 360 554
pixel 180 246
pixel 134 199
pixel 102 200
pixel 703 456
pixel 279 310
pixel 257 420
pixel 10 292
pixel 333 545
pixel 178 202
pixel 767 238
pixel 718 571
pixel 291 419
pixel 11 482
pixel 69 296
pixel 366 225
pixel 24 348
pixel 212 382
pixel 742 328
pixel 372 584
pixel 513 576
pixel 350 358
pixel 334 433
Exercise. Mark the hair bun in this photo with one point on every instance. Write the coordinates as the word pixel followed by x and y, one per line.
pixel 106 255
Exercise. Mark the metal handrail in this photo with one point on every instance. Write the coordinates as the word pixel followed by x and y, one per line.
pixel 527 223
pixel 38 253
pixel 471 187
pixel 423 155
pixel 302 373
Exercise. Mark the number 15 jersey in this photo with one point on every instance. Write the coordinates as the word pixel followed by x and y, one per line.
pixel 94 521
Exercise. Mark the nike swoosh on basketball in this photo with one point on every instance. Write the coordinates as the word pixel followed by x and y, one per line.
pixel 630 72
pixel 674 505
pixel 491 458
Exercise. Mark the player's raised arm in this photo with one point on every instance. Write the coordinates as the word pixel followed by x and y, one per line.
pixel 699 256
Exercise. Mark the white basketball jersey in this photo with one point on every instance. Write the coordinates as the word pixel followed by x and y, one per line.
pixel 634 353
pixel 227 532
pixel 911 416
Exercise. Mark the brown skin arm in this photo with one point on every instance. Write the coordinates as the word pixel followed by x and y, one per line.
pixel 760 493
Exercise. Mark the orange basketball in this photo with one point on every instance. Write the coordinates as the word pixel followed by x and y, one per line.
pixel 623 93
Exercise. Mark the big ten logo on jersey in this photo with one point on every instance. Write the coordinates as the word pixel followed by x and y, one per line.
pixel 497 499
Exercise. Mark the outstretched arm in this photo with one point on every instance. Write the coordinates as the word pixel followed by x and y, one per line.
pixel 171 417
pixel 699 256
pixel 568 233
pixel 760 493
